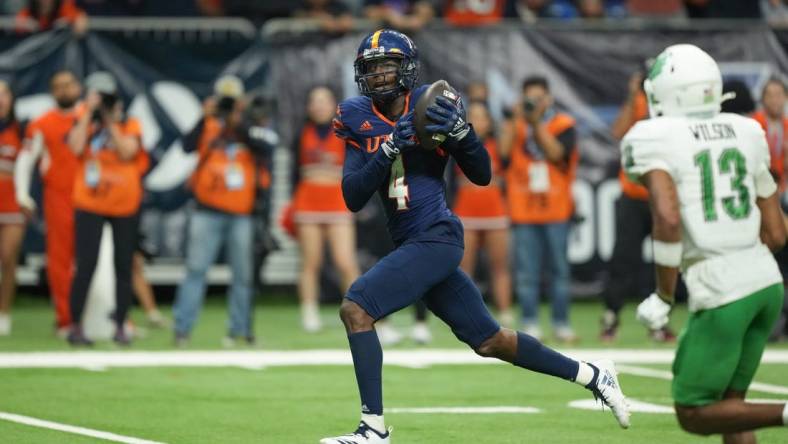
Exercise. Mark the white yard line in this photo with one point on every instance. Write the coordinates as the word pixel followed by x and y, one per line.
pixel 35 422
pixel 250 359
pixel 463 410
pixel 668 376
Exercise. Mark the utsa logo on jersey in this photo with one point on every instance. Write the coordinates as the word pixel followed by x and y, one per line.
pixel 413 194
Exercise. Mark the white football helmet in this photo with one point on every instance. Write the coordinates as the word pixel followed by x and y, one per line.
pixel 684 81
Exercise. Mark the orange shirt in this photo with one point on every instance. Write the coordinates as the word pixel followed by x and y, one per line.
pixel 540 191
pixel 778 146
pixel 10 144
pixel 106 184
pixel 225 176
pixel 474 12
pixel 68 11
pixel 635 190
pixel 314 197
pixel 59 164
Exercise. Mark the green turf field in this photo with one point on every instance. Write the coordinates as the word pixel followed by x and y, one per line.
pixel 300 404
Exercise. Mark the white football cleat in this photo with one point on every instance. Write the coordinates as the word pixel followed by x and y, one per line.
pixel 387 335
pixel 364 434
pixel 420 333
pixel 609 391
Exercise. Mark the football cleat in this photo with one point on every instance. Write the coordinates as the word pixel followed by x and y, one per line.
pixel 607 389
pixel 609 326
pixel 663 335
pixel 364 434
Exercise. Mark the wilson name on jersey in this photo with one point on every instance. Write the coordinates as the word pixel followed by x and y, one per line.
pixel 720 166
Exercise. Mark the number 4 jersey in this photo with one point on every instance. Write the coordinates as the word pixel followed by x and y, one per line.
pixel 413 193
pixel 720 166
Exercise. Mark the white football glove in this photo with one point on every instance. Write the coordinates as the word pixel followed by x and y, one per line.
pixel 653 312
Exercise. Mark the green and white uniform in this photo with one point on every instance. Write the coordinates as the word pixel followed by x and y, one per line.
pixel 720 165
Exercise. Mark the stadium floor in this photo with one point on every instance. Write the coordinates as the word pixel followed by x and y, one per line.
pixel 298 403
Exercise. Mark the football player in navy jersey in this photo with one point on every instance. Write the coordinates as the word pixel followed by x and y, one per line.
pixel 383 155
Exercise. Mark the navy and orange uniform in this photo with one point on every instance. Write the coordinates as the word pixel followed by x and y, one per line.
pixel 482 207
pixel 10 144
pixel 428 236
pixel 318 194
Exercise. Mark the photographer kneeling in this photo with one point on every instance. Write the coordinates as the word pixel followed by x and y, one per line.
pixel 224 184
pixel 108 188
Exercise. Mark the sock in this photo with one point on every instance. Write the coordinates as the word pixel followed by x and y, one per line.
pixel 785 415
pixel 375 421
pixel 368 363
pixel 532 355
pixel 586 374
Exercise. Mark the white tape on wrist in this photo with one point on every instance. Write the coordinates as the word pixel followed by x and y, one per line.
pixel 667 254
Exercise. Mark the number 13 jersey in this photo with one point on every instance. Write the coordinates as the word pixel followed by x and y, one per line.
pixel 720 166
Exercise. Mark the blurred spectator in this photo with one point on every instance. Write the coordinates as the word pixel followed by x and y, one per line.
pixel 484 217
pixel 633 223
pixel 333 15
pixel 320 213
pixel 12 220
pixel 664 8
pixel 531 10
pixel 224 184
pixel 590 9
pixel 403 15
pixel 477 91
pixel 211 8
pixel 741 102
pixel 46 138
pixel 775 11
pixel 43 15
pixel 541 144
pixel 12 7
pixel 259 11
pixel 721 9
pixel 774 121
pixel 108 189
pixel 473 12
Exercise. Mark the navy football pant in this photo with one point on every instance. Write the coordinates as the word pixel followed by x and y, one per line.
pixel 427 271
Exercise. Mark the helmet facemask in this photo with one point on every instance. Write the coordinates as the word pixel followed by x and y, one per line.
pixel 406 75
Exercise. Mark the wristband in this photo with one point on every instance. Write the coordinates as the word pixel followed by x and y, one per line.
pixel 667 254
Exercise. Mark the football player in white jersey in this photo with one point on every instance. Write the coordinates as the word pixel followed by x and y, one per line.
pixel 716 216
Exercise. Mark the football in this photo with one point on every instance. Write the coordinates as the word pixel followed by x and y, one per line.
pixel 420 120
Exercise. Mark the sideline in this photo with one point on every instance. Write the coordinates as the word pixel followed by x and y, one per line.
pixel 35 422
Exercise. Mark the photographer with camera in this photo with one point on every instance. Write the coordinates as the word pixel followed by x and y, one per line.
pixel 107 188
pixel 540 144
pixel 232 147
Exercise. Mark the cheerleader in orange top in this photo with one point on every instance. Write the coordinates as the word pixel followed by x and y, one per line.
pixel 484 216
pixel 319 210
pixel 12 220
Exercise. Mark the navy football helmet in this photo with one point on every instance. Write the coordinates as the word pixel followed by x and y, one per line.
pixel 386 44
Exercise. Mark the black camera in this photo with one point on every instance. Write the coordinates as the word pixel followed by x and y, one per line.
pixel 529 105
pixel 225 106
pixel 108 102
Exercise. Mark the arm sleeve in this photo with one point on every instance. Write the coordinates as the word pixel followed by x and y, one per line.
pixel 33 146
pixel 568 140
pixel 360 178
pixel 643 151
pixel 191 140
pixel 764 181
pixel 472 158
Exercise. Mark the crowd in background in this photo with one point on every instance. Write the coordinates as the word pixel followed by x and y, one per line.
pixel 338 16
